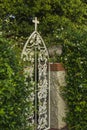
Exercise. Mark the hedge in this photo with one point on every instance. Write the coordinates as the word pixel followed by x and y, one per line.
pixel 12 89
pixel 75 60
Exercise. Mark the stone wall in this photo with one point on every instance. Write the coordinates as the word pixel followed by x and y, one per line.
pixel 57 104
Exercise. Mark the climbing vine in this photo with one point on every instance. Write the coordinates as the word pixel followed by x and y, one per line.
pixel 75 61
pixel 13 91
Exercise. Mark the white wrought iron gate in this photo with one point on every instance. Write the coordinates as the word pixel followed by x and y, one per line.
pixel 36 54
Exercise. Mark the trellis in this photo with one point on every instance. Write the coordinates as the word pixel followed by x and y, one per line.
pixel 36 55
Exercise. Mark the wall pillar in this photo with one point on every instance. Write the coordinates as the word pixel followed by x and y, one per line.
pixel 57 104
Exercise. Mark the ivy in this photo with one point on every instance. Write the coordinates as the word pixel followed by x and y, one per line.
pixel 13 92
pixel 62 22
pixel 75 61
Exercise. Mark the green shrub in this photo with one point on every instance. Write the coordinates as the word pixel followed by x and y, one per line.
pixel 12 89
pixel 75 60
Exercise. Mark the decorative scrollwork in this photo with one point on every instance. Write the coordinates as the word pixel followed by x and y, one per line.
pixel 36 54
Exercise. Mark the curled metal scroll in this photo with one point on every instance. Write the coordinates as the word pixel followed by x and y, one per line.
pixel 36 54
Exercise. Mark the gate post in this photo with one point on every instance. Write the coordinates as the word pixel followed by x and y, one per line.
pixel 57 103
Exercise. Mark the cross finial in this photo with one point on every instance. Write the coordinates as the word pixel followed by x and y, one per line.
pixel 36 22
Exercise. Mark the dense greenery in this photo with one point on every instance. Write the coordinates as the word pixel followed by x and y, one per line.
pixel 74 59
pixel 12 89
pixel 53 15
pixel 61 22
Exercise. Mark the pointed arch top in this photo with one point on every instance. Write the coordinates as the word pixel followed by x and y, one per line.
pixel 36 53
pixel 35 40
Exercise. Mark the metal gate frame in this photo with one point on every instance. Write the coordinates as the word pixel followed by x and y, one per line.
pixel 36 53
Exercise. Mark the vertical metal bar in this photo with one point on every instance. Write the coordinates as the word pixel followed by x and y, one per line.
pixel 35 88
pixel 49 91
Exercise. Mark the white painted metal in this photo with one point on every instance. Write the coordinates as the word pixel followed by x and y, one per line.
pixel 36 22
pixel 36 54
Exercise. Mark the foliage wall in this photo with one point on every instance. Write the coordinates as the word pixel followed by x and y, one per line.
pixel 12 89
pixel 62 22
pixel 16 16
pixel 75 62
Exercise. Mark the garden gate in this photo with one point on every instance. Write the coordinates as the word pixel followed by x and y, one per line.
pixel 35 56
